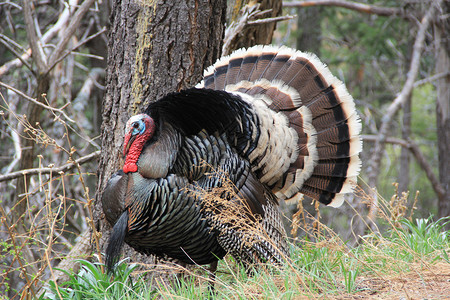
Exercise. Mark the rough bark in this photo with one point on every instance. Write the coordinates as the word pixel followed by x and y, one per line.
pixel 154 48
pixel 441 30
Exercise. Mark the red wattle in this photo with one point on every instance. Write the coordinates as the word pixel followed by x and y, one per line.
pixel 134 144
pixel 127 168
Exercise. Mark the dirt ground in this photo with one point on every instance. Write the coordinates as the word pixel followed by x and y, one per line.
pixel 424 284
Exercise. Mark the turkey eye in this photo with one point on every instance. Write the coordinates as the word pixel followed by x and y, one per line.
pixel 138 127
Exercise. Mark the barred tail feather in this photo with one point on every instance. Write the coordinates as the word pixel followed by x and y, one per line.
pixel 116 241
pixel 308 119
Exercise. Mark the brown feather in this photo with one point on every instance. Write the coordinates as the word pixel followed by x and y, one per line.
pixel 318 111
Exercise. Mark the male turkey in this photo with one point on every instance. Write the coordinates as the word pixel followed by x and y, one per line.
pixel 265 123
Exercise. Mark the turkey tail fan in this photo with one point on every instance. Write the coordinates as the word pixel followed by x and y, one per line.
pixel 116 241
pixel 303 94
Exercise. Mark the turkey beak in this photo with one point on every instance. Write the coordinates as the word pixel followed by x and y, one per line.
pixel 128 142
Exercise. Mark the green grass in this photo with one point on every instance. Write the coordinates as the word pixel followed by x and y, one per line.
pixel 92 283
pixel 324 268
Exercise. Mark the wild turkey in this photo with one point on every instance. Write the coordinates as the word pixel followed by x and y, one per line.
pixel 268 122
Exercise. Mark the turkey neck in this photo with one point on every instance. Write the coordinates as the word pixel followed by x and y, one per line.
pixel 157 157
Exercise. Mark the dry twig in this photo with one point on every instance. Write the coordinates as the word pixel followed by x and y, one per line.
pixel 48 170
pixel 20 93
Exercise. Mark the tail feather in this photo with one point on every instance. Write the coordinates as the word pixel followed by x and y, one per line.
pixel 116 241
pixel 334 167
pixel 246 69
pixel 320 128
pixel 234 66
pixel 261 66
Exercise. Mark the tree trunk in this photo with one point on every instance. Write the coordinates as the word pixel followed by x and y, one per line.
pixel 403 174
pixel 153 49
pixel 309 36
pixel 405 155
pixel 28 155
pixel 443 109
pixel 404 168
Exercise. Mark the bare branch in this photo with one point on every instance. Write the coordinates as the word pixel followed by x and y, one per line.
pixel 91 81
pixel 69 31
pixel 270 20
pixel 63 168
pixel 58 110
pixel 360 7
pixel 402 97
pixel 431 78
pixel 15 63
pixel 390 140
pixel 248 17
pixel 12 4
pixel 67 52
pixel 5 40
pixel 418 155
pixel 36 47
pixel 59 25
pixel 13 42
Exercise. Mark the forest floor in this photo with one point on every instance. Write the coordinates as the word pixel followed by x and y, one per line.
pixel 428 284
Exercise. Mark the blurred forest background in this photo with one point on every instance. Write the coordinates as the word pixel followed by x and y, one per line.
pixel 392 55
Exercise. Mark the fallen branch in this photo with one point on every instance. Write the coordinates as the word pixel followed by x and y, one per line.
pixel 49 170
